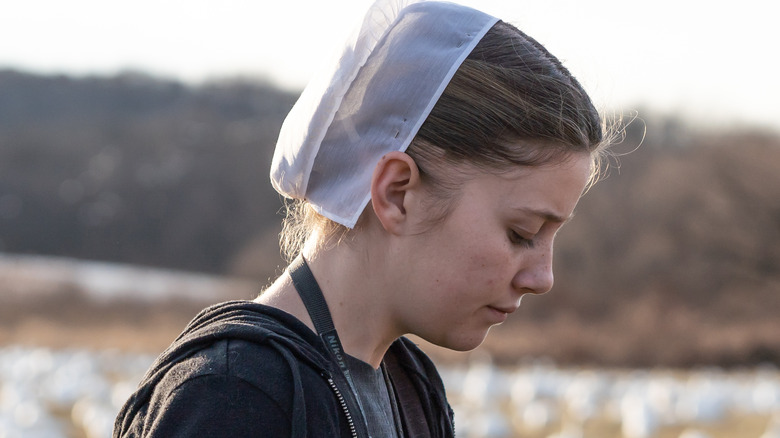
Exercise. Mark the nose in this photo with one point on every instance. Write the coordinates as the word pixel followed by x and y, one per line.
pixel 535 275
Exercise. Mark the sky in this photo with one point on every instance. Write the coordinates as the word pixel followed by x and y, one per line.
pixel 711 62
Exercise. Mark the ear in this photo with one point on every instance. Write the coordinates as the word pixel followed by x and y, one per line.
pixel 395 177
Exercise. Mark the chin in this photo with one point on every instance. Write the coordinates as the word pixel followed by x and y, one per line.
pixel 464 342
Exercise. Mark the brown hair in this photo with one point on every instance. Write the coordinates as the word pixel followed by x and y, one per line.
pixel 511 103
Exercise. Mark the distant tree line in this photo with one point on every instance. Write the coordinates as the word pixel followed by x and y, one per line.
pixel 136 169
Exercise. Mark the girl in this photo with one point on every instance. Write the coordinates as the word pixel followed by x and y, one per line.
pixel 431 166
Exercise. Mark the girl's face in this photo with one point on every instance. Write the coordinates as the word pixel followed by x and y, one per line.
pixel 469 271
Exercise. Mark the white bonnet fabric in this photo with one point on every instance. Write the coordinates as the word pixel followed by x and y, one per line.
pixel 372 100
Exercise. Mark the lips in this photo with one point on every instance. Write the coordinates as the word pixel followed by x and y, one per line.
pixel 499 314
pixel 502 309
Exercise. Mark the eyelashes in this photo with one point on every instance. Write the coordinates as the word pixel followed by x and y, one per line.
pixel 516 239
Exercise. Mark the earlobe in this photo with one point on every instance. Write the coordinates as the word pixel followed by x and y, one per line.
pixel 394 177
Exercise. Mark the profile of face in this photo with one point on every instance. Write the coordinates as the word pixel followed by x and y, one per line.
pixel 469 271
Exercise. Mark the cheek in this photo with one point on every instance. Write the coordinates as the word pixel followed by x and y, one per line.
pixel 490 260
pixel 482 269
pixel 465 260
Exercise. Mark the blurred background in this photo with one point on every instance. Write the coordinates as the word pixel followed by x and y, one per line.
pixel 135 142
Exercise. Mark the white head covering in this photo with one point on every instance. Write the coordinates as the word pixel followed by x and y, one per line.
pixel 371 101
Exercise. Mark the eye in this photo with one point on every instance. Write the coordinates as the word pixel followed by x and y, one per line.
pixel 519 240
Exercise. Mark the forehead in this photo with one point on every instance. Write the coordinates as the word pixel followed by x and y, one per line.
pixel 552 188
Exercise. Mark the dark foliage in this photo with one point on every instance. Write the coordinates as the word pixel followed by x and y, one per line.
pixel 136 169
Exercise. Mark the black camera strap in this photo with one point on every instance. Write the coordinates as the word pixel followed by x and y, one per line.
pixel 312 298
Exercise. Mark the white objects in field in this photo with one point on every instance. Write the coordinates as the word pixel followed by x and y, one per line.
pixel 694 433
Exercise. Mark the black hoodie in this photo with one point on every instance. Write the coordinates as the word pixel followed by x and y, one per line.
pixel 242 369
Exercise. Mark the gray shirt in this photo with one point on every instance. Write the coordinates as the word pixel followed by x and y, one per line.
pixel 375 397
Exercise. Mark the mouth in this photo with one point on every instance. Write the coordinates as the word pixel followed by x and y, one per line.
pixel 505 310
pixel 500 314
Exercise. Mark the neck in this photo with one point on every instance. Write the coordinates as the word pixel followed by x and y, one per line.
pixel 354 287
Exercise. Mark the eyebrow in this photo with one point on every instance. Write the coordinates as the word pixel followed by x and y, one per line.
pixel 546 215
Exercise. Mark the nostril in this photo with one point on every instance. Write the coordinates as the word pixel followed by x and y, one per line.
pixel 535 281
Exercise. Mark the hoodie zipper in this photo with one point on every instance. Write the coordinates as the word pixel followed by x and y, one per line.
pixel 344 406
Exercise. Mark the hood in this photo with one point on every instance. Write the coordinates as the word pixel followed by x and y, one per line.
pixel 243 320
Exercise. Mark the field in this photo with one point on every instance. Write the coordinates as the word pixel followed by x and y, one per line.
pixel 76 393
pixel 76 338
